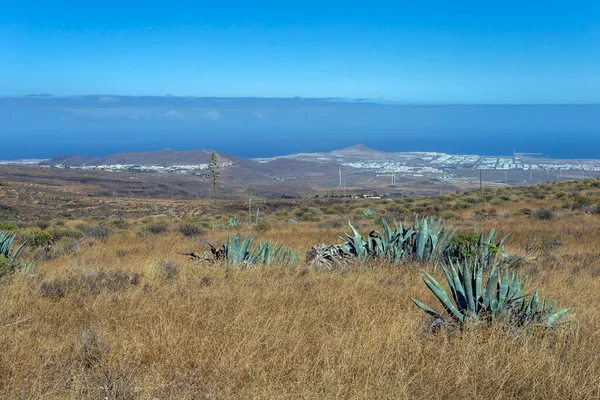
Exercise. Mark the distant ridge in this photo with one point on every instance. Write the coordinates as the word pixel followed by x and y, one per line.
pixel 357 148
pixel 165 157
pixel 168 157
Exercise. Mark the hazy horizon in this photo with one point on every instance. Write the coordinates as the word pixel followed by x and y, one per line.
pixel 47 126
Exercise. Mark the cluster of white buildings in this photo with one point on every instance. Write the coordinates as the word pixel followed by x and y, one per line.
pixel 396 168
pixel 180 169
pixel 505 163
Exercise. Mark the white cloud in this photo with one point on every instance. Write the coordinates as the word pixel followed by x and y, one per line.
pixel 175 114
pixel 108 99
pixel 213 115
pixel 112 113
pixel 259 114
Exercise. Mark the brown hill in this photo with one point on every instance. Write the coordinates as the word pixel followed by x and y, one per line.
pixel 165 157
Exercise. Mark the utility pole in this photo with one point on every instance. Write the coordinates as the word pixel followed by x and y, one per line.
pixel 340 176
pixel 530 175
pixel 505 176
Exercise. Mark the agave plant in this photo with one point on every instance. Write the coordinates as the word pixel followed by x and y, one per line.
pixel 240 250
pixel 324 257
pixel 8 257
pixel 6 243
pixel 425 239
pixel 368 213
pixel 502 299
pixel 233 222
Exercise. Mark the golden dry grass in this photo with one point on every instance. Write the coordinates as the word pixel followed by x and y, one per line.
pixel 151 325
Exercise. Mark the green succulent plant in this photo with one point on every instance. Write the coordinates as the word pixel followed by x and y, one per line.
pixel 9 262
pixel 233 222
pixel 241 250
pixel 425 239
pixel 368 213
pixel 501 299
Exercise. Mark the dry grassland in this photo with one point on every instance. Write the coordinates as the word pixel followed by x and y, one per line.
pixel 126 317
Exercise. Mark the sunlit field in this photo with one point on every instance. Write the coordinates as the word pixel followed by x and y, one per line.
pixel 126 316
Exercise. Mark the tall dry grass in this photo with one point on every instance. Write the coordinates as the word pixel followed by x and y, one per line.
pixel 127 317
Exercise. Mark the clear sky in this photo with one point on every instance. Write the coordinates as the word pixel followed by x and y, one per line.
pixel 453 52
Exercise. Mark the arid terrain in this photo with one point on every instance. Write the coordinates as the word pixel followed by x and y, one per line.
pixel 354 170
pixel 126 316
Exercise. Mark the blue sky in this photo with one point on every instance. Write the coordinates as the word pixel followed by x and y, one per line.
pixel 429 52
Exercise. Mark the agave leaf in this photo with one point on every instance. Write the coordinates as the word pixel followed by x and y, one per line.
pixel 421 238
pixel 551 306
pixel 490 291
pixel 533 303
pixel 460 298
pixel 503 290
pixel 425 308
pixel 442 296
pixel 479 288
pixel 551 320
pixel 468 283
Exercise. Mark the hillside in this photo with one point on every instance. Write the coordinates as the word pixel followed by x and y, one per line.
pixel 126 315
pixel 165 157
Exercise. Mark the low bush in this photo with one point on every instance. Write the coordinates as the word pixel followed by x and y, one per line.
pixel 262 226
pixel 7 227
pixel 544 214
pixel 158 228
pixel 39 238
pixel 189 230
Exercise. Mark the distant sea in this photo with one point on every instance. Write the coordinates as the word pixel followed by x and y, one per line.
pixel 567 145
pixel 91 126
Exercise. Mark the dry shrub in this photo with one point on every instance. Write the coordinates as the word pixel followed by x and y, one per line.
pixel 92 282
pixel 190 230
pixel 90 346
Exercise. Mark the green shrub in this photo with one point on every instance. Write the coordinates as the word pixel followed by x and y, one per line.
pixel 486 250
pixel 262 226
pixel 460 205
pixel 310 217
pixel 59 233
pixel 332 210
pixel 4 226
pixel 582 202
pixel 39 238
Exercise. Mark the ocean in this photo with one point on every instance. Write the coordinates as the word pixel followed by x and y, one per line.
pixel 44 128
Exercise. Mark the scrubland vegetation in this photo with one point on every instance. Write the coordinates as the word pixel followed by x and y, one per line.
pixel 128 315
